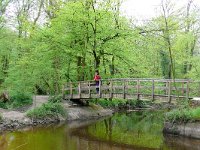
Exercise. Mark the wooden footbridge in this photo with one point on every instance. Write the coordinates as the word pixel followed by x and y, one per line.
pixel 132 88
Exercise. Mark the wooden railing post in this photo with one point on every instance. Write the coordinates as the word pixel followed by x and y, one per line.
pixel 89 89
pixel 153 89
pixel 63 92
pixel 138 89
pixel 111 89
pixel 183 88
pixel 79 89
pixel 100 88
pixel 187 91
pixel 71 90
pixel 124 89
pixel 169 92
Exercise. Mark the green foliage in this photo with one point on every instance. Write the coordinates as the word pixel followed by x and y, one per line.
pixel 179 116
pixel 19 99
pixel 183 115
pixel 120 103
pixel 138 103
pixel 47 110
pixel 55 99
pixel 110 103
pixel 3 105
pixel 82 36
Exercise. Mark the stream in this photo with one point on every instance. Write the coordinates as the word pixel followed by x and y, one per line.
pixel 122 131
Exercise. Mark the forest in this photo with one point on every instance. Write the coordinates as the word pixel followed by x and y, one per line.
pixel 46 43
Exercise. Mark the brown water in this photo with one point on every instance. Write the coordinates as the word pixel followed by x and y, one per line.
pixel 123 131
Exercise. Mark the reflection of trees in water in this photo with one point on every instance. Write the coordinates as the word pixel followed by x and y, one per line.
pixel 108 125
pixel 136 128
pixel 89 143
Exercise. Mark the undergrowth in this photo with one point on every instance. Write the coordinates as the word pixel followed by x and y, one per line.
pixel 47 110
pixel 16 100
pixel 119 103
pixel 183 115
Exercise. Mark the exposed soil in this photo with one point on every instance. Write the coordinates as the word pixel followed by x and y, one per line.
pixel 14 119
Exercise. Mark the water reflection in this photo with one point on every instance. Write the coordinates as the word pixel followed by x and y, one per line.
pixel 123 131
pixel 138 130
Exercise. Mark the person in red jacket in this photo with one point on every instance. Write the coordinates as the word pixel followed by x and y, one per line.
pixel 97 78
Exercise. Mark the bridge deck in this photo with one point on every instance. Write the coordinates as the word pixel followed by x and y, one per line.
pixel 133 89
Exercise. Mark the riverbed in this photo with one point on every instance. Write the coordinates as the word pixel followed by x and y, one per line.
pixel 140 130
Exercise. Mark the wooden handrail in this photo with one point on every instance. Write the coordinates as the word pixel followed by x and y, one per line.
pixel 132 88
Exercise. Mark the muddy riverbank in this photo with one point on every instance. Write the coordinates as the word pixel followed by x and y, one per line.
pixel 16 119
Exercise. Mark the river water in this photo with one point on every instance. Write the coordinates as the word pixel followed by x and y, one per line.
pixel 123 131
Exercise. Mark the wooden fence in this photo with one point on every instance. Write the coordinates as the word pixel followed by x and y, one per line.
pixel 133 89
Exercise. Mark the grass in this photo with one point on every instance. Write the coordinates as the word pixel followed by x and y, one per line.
pixel 47 110
pixel 55 98
pixel 183 115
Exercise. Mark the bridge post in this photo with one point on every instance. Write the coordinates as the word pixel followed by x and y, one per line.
pixel 63 91
pixel 138 89
pixel 71 91
pixel 153 89
pixel 111 88
pixel 79 89
pixel 169 92
pixel 183 88
pixel 124 89
pixel 188 90
pixel 89 89
pixel 100 82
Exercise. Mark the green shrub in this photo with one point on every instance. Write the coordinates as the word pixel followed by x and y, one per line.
pixel 183 115
pixel 47 110
pixel 20 99
pixel 119 103
pixel 110 103
pixel 137 103
pixel 55 99
pixel 3 105
pixel 178 116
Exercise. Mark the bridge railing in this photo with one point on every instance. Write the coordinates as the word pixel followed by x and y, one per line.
pixel 132 89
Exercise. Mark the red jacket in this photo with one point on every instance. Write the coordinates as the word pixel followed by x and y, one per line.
pixel 97 77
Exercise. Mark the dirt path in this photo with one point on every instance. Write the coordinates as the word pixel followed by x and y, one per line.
pixel 38 100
